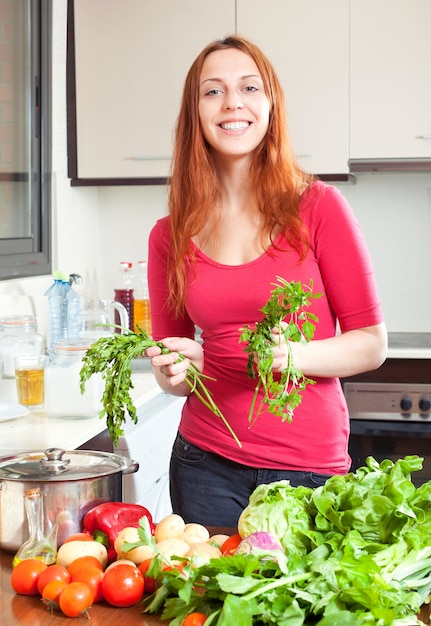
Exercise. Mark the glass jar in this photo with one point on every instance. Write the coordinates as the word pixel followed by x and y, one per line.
pixel 63 397
pixel 18 337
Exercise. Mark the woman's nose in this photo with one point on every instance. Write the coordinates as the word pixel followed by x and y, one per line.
pixel 233 101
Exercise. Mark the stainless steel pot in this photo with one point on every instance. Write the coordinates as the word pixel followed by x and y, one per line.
pixel 71 483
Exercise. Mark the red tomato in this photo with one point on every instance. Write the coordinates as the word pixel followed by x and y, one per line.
pixel 51 593
pixel 231 544
pixel 149 581
pixel 52 572
pixel 75 599
pixel 93 577
pixel 123 585
pixel 83 562
pixel 195 619
pixel 79 537
pixel 25 575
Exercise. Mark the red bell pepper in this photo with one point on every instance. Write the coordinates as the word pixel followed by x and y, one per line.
pixel 105 521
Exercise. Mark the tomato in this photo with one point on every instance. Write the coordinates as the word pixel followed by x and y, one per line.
pixel 25 575
pixel 149 581
pixel 195 619
pixel 123 585
pixel 93 577
pixel 79 537
pixel 75 599
pixel 83 562
pixel 231 544
pixel 51 593
pixel 52 572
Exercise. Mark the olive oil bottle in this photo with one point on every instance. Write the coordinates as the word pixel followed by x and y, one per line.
pixel 37 546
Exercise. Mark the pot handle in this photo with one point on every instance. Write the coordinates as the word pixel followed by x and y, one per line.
pixel 132 468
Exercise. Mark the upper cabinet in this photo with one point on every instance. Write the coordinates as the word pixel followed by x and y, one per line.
pixel 390 86
pixel 354 74
pixel 307 42
pixel 131 59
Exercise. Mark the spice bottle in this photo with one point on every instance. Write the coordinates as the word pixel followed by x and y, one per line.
pixel 37 546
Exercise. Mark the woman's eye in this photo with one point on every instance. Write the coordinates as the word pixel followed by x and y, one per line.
pixel 213 92
pixel 250 88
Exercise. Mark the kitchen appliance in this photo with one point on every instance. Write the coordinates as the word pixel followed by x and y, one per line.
pixel 150 441
pixel 71 483
pixel 390 408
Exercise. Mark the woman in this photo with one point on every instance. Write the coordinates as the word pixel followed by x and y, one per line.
pixel 241 213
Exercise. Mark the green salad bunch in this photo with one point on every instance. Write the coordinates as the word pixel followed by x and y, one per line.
pixel 358 552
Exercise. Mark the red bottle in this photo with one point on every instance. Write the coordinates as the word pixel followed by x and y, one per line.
pixel 125 292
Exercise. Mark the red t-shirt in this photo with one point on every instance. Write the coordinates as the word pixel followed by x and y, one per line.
pixel 222 298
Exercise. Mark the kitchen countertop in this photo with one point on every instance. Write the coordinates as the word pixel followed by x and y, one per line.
pixel 409 345
pixel 36 431
pixel 19 610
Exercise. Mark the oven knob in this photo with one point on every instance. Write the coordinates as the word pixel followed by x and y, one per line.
pixel 406 404
pixel 425 405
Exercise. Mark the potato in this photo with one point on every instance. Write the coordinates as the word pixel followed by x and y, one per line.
pixel 137 555
pixel 72 550
pixel 201 553
pixel 170 526
pixel 120 562
pixel 173 547
pixel 217 540
pixel 195 533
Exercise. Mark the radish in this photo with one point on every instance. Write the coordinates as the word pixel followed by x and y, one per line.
pixel 259 541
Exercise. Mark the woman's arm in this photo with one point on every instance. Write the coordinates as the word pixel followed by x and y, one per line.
pixel 347 354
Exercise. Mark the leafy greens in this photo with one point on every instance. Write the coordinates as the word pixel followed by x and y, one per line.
pixel 358 552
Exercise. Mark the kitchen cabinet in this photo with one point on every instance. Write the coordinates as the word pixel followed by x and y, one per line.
pixel 307 42
pixel 129 74
pixel 130 62
pixel 390 88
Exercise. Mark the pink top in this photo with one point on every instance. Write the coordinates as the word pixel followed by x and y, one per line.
pixel 222 298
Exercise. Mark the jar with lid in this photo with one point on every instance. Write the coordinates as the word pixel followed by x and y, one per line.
pixel 63 397
pixel 18 337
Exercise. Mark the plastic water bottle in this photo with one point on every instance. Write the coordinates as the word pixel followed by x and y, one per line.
pixel 141 307
pixel 73 305
pixel 124 292
pixel 55 308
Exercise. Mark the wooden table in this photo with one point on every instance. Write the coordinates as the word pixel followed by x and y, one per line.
pixel 19 610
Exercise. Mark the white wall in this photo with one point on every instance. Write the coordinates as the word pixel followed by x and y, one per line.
pixel 395 213
pixel 96 228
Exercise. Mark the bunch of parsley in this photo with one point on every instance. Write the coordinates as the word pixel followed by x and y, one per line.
pixel 286 311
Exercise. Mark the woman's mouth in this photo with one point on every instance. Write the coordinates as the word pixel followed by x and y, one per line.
pixel 234 125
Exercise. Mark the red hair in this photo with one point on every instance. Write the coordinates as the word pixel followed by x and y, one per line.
pixel 275 176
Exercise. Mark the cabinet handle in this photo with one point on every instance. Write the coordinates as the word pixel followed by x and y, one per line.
pixel 425 136
pixel 147 158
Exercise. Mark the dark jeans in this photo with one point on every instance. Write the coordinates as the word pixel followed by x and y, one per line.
pixel 208 489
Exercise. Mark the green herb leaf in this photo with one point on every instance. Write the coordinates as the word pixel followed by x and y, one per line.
pixel 112 357
pixel 287 303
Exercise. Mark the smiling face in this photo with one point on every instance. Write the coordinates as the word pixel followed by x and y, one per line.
pixel 233 107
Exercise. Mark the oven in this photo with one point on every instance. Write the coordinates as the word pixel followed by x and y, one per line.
pixel 390 408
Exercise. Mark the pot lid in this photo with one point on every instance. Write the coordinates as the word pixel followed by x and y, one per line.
pixel 58 465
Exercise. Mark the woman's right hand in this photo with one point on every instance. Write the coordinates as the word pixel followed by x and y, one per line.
pixel 170 373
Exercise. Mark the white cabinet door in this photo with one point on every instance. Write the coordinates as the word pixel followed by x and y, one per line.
pixel 307 42
pixel 131 61
pixel 390 80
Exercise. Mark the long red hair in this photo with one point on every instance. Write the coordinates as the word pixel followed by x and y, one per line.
pixel 275 176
